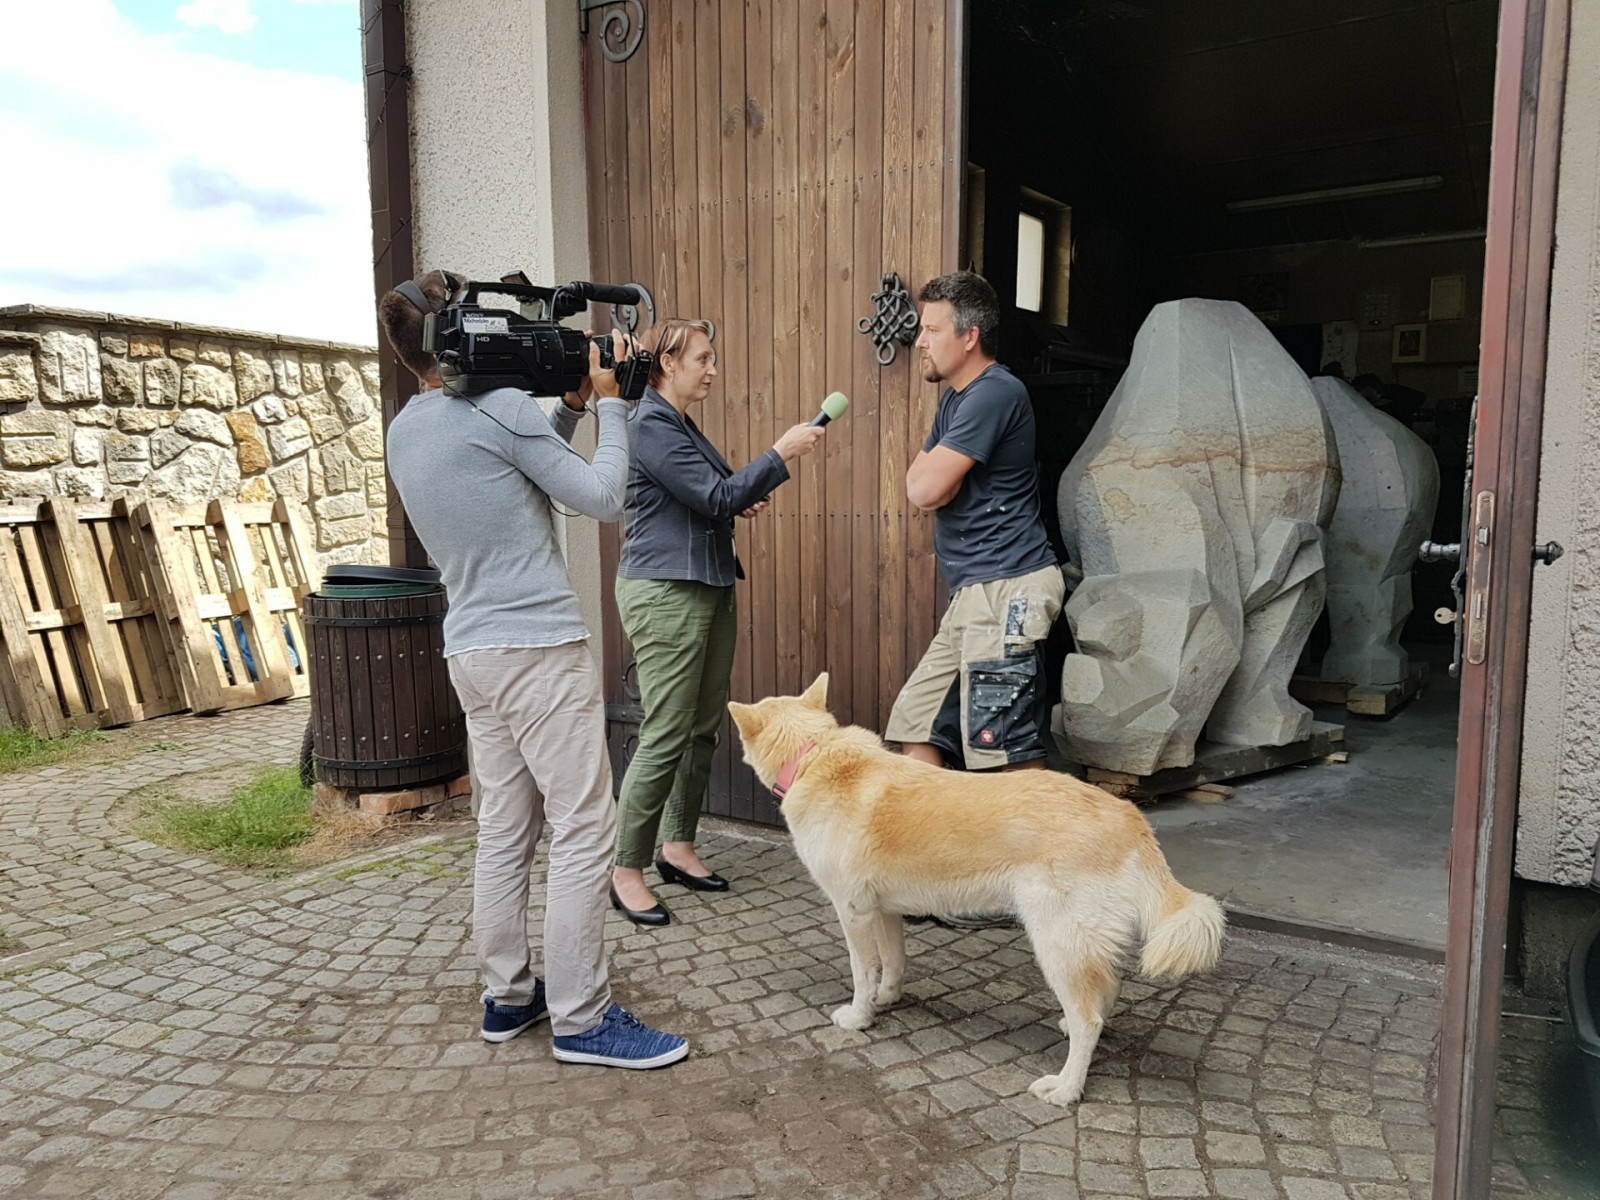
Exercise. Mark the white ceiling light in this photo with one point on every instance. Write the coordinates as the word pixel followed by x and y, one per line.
pixel 1358 191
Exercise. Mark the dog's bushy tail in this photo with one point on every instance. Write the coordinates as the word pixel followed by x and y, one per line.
pixel 1183 929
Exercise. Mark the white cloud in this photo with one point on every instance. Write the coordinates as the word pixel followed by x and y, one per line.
pixel 230 16
pixel 159 182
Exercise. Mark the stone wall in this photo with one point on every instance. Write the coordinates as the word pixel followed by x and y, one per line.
pixel 1558 816
pixel 97 405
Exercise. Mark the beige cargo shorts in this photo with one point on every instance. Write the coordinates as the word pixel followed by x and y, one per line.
pixel 979 692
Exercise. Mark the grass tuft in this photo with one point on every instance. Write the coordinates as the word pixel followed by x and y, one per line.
pixel 21 748
pixel 255 827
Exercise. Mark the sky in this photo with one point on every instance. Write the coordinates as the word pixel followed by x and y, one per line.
pixel 194 160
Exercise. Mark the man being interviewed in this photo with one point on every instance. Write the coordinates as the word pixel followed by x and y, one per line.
pixel 978 696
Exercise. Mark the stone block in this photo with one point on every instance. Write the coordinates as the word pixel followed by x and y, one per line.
pixel 252 455
pixel 142 420
pixel 289 439
pixel 326 429
pixel 228 477
pixel 269 410
pixel 384 804
pixel 146 345
pixel 83 483
pixel 366 439
pixel 285 370
pixel 242 425
pixel 19 381
pixel 166 445
pixel 87 447
pixel 256 490
pixel 253 373
pixel 310 375
pixel 94 416
pixel 291 481
pixel 35 437
pixel 127 474
pixel 343 505
pixel 25 484
pixel 69 367
pixel 205 425
pixel 215 354
pixel 114 343
pixel 208 386
pixel 331 534
pixel 122 380
pixel 183 349
pixel 163 383
pixel 341 470
pixel 372 379
pixel 349 393
pixel 191 477
pixel 377 486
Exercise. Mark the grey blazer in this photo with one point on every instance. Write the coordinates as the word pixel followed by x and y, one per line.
pixel 683 497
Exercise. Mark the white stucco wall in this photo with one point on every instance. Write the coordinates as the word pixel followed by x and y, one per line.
pixel 1559 814
pixel 498 168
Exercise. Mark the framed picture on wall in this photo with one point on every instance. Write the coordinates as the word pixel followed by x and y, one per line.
pixel 1410 344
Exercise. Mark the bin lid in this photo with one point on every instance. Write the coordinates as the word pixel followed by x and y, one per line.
pixel 362 575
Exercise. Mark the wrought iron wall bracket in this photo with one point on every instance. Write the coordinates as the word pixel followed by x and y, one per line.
pixel 893 320
pixel 620 31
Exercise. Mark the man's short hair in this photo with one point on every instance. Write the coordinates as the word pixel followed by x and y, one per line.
pixel 972 302
pixel 401 320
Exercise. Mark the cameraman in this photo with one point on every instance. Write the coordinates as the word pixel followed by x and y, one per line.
pixel 478 476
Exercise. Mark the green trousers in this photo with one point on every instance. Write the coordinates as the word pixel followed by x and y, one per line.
pixel 683 635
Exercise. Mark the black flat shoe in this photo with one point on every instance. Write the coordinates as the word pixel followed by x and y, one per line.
pixel 641 916
pixel 698 883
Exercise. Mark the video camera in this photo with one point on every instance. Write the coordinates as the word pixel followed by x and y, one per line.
pixel 479 348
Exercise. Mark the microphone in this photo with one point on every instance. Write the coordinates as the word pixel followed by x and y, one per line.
pixel 832 407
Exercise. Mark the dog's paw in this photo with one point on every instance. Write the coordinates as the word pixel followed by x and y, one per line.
pixel 849 1017
pixel 1051 1090
pixel 886 995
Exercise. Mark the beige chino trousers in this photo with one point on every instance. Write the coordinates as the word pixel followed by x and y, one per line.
pixel 537 731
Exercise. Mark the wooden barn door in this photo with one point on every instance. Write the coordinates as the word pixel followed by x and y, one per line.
pixel 764 163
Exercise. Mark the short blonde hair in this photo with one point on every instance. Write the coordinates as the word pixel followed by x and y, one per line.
pixel 672 337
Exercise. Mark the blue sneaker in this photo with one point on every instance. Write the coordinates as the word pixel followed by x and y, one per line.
pixel 502 1022
pixel 621 1040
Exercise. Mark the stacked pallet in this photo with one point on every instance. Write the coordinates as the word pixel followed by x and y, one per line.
pixel 121 611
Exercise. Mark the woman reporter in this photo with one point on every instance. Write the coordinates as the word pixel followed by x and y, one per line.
pixel 675 593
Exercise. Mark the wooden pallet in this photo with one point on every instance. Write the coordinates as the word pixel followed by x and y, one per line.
pixel 112 580
pixel 1362 701
pixel 47 671
pixel 228 644
pixel 1213 762
pixel 272 543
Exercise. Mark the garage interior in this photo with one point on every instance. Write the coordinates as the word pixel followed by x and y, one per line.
pixel 1325 164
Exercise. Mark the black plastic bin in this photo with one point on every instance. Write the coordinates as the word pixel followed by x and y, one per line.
pixel 1583 1006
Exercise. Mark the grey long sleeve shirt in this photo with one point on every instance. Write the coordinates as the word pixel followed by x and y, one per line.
pixel 479 496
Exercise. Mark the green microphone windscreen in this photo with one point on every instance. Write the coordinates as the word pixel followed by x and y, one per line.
pixel 835 405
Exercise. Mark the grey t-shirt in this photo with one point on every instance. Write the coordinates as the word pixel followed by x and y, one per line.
pixel 992 528
pixel 477 478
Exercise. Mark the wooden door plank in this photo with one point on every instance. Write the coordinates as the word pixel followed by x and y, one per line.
pixel 812 165
pixel 900 381
pixel 787 507
pixel 840 610
pixel 863 430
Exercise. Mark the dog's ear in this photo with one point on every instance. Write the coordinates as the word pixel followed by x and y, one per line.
pixel 746 717
pixel 817 694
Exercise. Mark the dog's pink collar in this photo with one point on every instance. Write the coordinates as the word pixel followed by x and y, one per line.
pixel 786 775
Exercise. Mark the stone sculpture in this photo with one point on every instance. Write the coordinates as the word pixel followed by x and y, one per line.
pixel 1195 510
pixel 1385 510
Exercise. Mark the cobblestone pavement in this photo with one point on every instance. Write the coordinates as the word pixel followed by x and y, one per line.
pixel 317 1037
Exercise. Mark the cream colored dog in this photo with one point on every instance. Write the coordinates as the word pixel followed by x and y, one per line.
pixel 884 835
